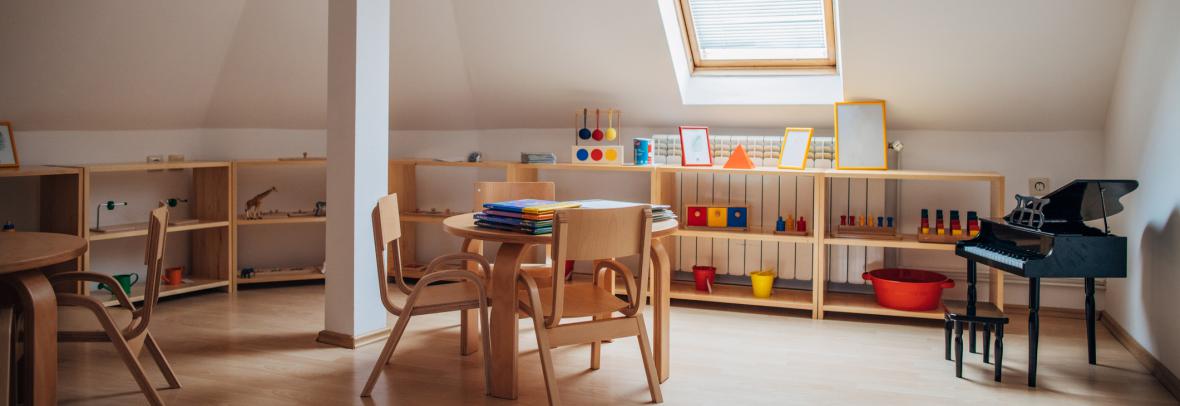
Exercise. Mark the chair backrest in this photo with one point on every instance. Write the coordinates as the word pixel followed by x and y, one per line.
pixel 597 234
pixel 491 192
pixel 387 233
pixel 154 260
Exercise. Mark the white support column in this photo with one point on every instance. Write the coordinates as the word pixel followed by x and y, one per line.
pixel 358 160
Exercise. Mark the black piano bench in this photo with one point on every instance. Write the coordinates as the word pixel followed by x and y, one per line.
pixel 986 315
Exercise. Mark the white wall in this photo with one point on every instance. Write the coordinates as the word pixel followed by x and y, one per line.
pixel 1143 139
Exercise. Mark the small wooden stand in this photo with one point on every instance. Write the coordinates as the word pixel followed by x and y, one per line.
pixel 876 233
pixel 792 232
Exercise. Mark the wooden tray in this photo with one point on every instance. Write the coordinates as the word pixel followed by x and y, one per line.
pixel 942 239
pixel 792 232
pixel 876 233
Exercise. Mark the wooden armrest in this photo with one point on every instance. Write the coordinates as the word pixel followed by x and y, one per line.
pixel 120 295
pixel 634 296
pixel 92 304
pixel 534 293
pixel 484 265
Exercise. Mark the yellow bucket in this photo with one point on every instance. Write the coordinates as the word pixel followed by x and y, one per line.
pixel 763 283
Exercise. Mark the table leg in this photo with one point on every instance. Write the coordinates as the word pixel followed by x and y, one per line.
pixel 661 302
pixel 469 319
pixel 1090 344
pixel 504 335
pixel 1034 327
pixel 38 305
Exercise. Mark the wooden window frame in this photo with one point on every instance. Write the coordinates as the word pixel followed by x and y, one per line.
pixel 812 65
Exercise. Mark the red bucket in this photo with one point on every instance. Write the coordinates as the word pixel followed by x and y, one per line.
pixel 908 289
pixel 705 277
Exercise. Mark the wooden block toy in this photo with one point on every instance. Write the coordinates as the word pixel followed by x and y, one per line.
pixel 739 159
pixel 697 217
pixel 716 216
pixel 599 155
pixel 867 231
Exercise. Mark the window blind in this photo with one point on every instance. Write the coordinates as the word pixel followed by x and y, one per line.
pixel 759 29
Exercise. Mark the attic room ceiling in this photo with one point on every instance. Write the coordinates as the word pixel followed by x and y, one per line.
pixel 1011 65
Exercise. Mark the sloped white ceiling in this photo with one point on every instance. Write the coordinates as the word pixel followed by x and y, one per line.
pixel 1011 65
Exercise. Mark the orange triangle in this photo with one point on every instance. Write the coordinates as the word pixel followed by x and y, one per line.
pixel 739 159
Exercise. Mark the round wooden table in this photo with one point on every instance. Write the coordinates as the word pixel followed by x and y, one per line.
pixel 21 257
pixel 513 246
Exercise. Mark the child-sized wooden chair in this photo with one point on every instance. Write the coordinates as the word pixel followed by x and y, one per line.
pixel 85 319
pixel 600 235
pixel 466 293
pixel 491 192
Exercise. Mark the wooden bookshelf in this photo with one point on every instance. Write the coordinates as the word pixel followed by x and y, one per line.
pixel 210 237
pixel 662 178
pixel 239 221
pixel 191 285
pixel 59 207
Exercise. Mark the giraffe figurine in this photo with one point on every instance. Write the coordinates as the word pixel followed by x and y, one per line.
pixel 254 205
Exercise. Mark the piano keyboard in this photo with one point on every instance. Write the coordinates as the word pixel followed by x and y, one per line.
pixel 1005 257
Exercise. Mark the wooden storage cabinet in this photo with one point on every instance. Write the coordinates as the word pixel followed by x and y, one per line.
pixel 210 239
pixel 58 205
pixel 663 187
pixel 242 170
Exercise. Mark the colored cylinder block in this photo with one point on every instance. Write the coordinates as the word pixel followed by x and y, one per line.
pixel 718 217
pixel 697 217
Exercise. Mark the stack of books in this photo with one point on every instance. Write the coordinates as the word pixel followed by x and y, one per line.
pixel 659 212
pixel 527 216
pixel 538 158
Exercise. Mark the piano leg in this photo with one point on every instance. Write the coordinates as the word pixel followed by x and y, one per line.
pixel 971 298
pixel 1034 327
pixel 1091 345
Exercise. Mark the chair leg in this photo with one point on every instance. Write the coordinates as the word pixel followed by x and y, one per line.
pixel 987 339
pixel 649 363
pixel 161 362
pixel 387 351
pixel 487 345
pixel 6 331
pixel 467 334
pixel 958 349
pixel 135 367
pixel 999 351
pixel 947 337
pixel 546 356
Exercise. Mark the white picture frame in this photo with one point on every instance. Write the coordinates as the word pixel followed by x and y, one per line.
pixel 796 144
pixel 861 139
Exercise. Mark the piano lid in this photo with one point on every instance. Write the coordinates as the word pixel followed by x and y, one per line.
pixel 1081 200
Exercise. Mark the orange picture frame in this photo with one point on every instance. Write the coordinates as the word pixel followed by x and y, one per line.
pixel 8 155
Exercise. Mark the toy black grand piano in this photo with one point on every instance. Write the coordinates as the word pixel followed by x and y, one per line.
pixel 1048 238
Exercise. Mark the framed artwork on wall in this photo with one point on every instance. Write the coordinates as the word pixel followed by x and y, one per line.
pixel 796 143
pixel 8 156
pixel 695 147
pixel 860 135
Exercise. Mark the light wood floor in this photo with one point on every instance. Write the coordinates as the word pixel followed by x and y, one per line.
pixel 260 349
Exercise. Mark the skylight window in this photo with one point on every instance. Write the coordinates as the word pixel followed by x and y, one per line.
pixel 759 34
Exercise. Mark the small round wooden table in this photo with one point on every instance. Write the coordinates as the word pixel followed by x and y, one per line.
pixel 513 246
pixel 21 257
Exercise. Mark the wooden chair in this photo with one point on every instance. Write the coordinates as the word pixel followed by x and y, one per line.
pixel 491 192
pixel 85 319
pixel 599 235
pixel 426 297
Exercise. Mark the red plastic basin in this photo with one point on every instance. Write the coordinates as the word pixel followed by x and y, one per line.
pixel 908 289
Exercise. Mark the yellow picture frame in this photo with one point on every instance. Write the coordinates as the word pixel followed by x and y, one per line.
pixel 884 136
pixel 782 152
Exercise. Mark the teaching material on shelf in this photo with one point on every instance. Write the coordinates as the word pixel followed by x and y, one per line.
pixel 790 226
pixel 861 141
pixel 8 156
pixel 304 157
pixel 644 150
pixel 739 159
pixel 704 277
pixel 762 283
pixel 590 147
pixel 538 158
pixel 110 205
pixel 866 231
pixel 279 271
pixel 716 216
pixel 947 232
pixel 254 205
pixel 796 144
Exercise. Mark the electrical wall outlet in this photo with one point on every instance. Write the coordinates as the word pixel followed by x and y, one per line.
pixel 1038 186
pixel 155 159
